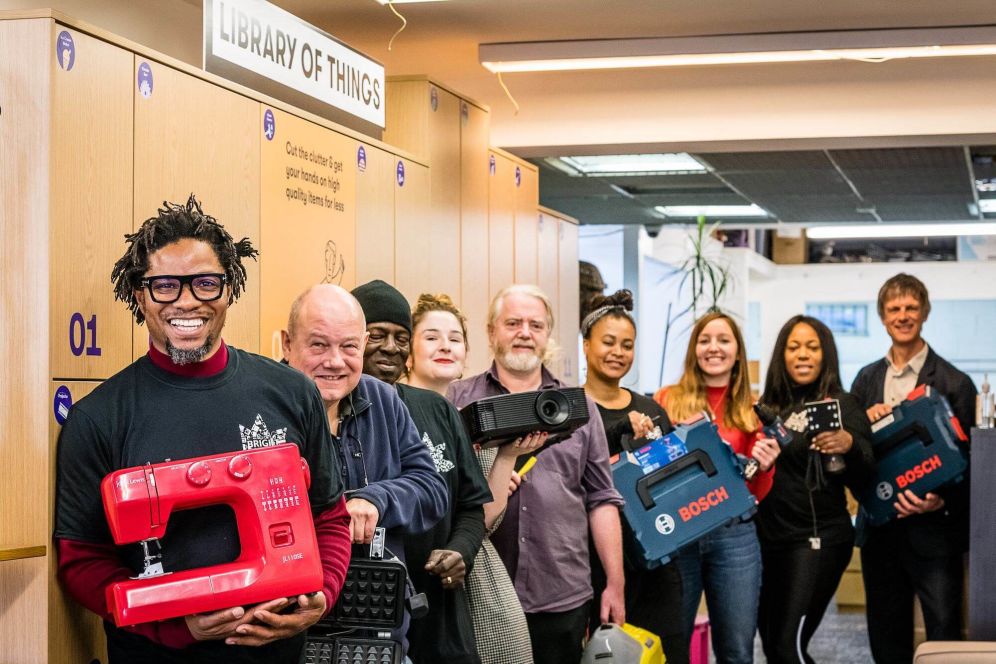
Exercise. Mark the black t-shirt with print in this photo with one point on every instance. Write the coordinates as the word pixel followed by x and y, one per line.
pixel 446 634
pixel 144 414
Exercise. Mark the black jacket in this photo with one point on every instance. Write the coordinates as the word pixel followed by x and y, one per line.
pixel 944 532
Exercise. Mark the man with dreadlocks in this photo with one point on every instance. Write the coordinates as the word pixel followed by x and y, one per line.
pixel 190 396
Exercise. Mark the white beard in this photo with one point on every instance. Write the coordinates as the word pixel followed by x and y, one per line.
pixel 519 362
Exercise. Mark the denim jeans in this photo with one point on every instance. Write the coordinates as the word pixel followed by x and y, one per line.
pixel 726 564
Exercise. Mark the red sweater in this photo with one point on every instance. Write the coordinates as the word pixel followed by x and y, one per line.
pixel 86 568
pixel 741 441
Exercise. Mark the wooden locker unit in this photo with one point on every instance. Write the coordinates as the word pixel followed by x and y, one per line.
pixel 501 222
pixel 426 119
pixel 474 256
pixel 307 236
pixel 412 229
pixel 375 215
pixel 91 182
pixel 26 62
pixel 195 137
pixel 548 266
pixel 527 224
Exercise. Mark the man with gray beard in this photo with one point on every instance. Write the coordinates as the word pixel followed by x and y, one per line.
pixel 543 538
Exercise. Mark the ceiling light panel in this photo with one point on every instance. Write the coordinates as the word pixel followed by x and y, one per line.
pixel 723 211
pixel 627 164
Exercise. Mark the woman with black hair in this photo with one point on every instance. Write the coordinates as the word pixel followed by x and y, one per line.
pixel 653 597
pixel 803 524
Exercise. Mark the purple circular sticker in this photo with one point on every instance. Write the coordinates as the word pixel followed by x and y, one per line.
pixel 361 158
pixel 63 402
pixel 145 80
pixel 433 98
pixel 65 50
pixel 491 164
pixel 518 176
pixel 464 112
pixel 269 125
pixel 401 174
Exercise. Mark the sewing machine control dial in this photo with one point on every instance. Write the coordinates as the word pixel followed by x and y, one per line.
pixel 199 474
pixel 240 467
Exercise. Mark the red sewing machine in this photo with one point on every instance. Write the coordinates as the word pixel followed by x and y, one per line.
pixel 268 490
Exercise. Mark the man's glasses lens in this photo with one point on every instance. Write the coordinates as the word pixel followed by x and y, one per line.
pixel 166 289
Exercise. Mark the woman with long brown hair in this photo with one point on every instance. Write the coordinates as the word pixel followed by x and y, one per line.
pixel 726 564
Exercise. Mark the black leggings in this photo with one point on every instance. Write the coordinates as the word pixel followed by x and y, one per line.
pixel 797 584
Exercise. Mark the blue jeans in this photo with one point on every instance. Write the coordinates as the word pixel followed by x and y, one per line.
pixel 727 565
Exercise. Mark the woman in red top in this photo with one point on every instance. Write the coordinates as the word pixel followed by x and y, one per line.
pixel 726 564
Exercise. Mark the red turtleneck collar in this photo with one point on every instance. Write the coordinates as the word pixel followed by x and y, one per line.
pixel 212 366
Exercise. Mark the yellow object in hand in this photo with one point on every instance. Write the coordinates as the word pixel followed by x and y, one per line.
pixel 530 462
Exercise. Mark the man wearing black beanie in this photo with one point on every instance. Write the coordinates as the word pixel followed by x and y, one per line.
pixel 439 558
pixel 389 323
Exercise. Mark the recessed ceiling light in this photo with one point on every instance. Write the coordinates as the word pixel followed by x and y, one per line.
pixel 627 164
pixel 692 211
pixel 860 45
pixel 867 231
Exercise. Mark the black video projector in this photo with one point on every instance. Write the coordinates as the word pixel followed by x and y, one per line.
pixel 495 421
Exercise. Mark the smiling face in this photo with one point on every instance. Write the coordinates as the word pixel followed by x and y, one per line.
pixel 187 330
pixel 716 352
pixel 328 340
pixel 439 348
pixel 388 347
pixel 609 348
pixel 520 333
pixel 903 318
pixel 803 355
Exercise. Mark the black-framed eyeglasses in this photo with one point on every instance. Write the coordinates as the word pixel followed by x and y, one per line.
pixel 166 288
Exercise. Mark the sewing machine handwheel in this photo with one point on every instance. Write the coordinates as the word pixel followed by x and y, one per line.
pixel 240 467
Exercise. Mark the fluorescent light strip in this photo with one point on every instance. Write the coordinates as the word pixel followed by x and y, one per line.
pixel 696 59
pixel 405 2
pixel 868 231
pixel 692 211
pixel 627 164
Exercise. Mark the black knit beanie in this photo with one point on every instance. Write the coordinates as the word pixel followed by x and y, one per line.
pixel 383 303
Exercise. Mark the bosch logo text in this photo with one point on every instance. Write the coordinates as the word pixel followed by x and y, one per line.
pixel 918 471
pixel 703 504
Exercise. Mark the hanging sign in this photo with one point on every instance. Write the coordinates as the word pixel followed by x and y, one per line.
pixel 252 42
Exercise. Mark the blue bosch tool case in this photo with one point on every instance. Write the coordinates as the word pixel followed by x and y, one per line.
pixel 671 500
pixel 916 447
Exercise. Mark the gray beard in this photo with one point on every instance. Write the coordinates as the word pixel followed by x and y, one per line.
pixel 519 362
pixel 181 356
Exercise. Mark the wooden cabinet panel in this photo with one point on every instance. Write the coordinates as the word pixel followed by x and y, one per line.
pixel 526 225
pixel 375 217
pixel 192 136
pixel 412 229
pixel 548 265
pixel 307 216
pixel 406 116
pixel 80 632
pixel 26 60
pixel 569 301
pixel 444 165
pixel 22 594
pixel 91 180
pixel 475 258
pixel 501 223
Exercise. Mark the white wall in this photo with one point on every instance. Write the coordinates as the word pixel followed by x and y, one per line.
pixel 960 327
